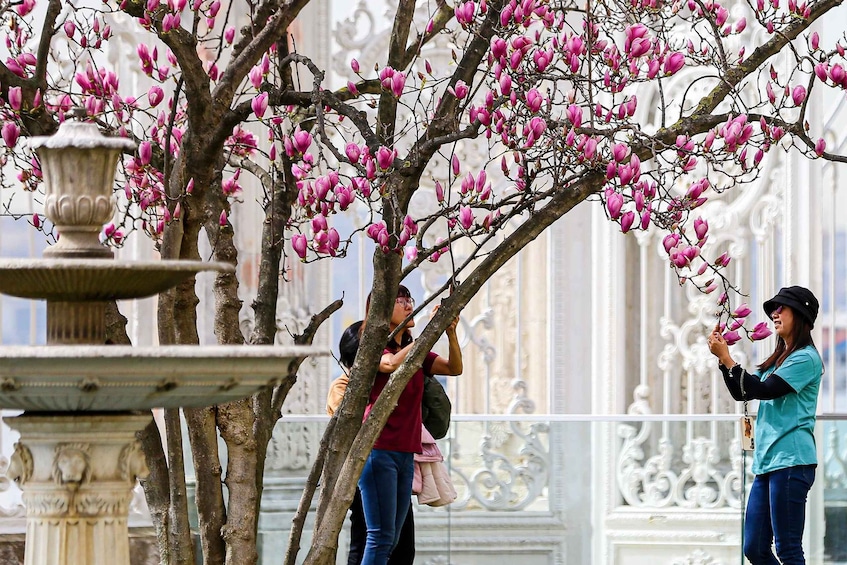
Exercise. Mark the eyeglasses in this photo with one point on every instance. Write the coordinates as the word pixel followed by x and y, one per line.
pixel 406 301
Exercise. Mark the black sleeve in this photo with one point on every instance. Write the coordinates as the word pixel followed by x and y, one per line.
pixel 772 387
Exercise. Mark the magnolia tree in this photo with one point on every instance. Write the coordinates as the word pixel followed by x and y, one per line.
pixel 549 89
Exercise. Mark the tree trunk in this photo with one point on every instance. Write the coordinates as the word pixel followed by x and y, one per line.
pixel 209 500
pixel 235 421
pixel 158 498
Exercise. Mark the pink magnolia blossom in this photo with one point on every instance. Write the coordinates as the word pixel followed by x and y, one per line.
pixel 674 63
pixel 353 152
pixel 670 241
pixel 534 99
pixel 820 147
pixel 15 98
pixel 222 220
pixel 145 152
pixel 742 311
pixel 465 12
pixel 10 134
pixel 155 95
pixel 701 227
pixel 229 34
pixel 466 217
pixel 260 104
pixel 354 64
pixel 627 219
pixel 731 337
pixel 301 140
pixel 256 77
pixel 25 7
pixel 460 90
pixel 798 94
pixel 760 331
pixel 385 157
pixel 614 203
pixel 575 115
pixel 298 243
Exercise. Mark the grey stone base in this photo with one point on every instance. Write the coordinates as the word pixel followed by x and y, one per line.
pixel 142 547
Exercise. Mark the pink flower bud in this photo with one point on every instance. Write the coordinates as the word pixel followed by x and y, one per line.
pixel 439 191
pixel 223 218
pixel 820 147
pixel 298 243
pixel 229 34
pixel 466 217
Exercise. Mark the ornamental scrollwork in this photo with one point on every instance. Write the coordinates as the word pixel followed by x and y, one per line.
pixel 652 474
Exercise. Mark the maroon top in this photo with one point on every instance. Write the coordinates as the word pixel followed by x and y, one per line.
pixel 402 432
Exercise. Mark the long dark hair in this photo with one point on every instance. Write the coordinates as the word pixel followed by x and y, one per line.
pixel 349 344
pixel 801 336
pixel 406 338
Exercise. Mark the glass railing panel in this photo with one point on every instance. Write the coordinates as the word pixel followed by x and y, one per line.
pixel 596 490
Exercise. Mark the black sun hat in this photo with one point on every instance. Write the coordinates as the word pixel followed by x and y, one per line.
pixel 798 298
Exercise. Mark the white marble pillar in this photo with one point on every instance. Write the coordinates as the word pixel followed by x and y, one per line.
pixel 77 473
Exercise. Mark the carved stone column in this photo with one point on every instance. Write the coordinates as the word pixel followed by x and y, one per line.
pixel 77 473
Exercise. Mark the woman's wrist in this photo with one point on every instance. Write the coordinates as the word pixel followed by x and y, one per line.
pixel 728 362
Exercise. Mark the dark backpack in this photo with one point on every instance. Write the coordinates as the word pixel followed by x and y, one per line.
pixel 435 407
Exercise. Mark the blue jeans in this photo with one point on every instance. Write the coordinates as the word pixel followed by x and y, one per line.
pixel 386 486
pixel 776 513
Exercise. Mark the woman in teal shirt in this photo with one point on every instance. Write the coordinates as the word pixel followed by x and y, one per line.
pixel 786 385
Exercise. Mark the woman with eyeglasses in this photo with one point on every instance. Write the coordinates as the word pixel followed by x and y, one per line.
pixel 786 385
pixel 386 480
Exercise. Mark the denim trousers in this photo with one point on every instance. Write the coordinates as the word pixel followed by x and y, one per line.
pixel 386 487
pixel 402 554
pixel 776 514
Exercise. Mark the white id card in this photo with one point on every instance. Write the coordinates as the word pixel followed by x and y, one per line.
pixel 747 433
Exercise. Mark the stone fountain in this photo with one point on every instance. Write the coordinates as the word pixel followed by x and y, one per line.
pixel 78 459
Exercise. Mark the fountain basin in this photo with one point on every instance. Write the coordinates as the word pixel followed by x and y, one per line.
pixel 75 280
pixel 117 377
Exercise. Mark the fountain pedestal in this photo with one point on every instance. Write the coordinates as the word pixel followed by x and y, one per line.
pixel 77 473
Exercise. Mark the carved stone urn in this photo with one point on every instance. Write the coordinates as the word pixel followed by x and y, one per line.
pixel 78 459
